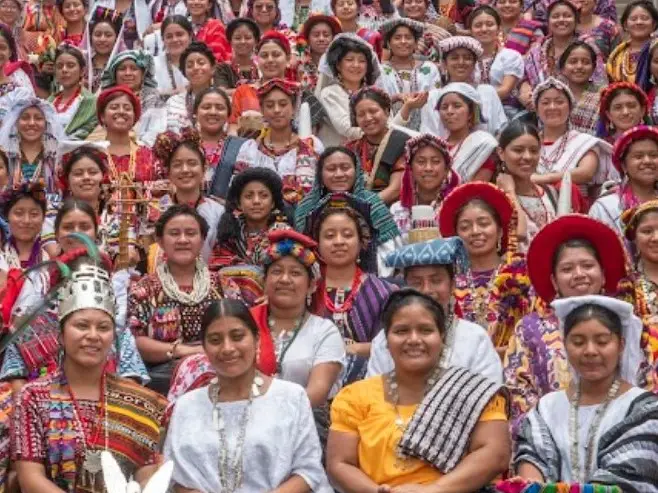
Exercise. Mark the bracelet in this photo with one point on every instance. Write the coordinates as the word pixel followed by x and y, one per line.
pixel 171 354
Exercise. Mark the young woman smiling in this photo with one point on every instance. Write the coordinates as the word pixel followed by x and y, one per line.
pixel 207 29
pixel 243 35
pixel 177 33
pixel 623 106
pixel 605 33
pixel 314 38
pixel 73 12
pixel 104 28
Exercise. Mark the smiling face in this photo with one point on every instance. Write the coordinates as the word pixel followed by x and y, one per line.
pixel 429 169
pixel 31 125
pixel 73 10
pixel 485 29
pixel 353 67
pixel 278 109
pixel 640 24
pixel 641 162
pixel 432 280
pixel 625 111
pixel 562 22
pixel 346 10
pixel 10 12
pixel 129 74
pixel 181 240
pixel 186 170
pixel 243 41
pixel 460 64
pixel 553 108
pixel 198 8
pixel 272 60
pixel 265 12
pixel 119 114
pixel 256 202
pixel 371 118
pixel 402 43
pixel 593 350
pixel 454 112
pixel 339 243
pixel 198 70
pixel 415 9
pixel 646 237
pixel 414 340
pixel 338 172
pixel 479 230
pixel 25 220
pixel 579 66
pixel 577 273
pixel 509 10
pixel 68 71
pixel 287 283
pixel 319 38
pixel 87 337
pixel 5 50
pixel 103 38
pixel 75 221
pixel 230 346
pixel 212 113
pixel 176 39
pixel 85 180
pixel 521 156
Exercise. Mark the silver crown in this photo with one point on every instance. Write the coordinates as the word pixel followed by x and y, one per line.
pixel 89 287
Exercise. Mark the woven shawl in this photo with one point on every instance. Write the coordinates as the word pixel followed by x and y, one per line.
pixel 440 429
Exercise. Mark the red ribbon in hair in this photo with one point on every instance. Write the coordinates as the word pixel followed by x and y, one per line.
pixel 267 359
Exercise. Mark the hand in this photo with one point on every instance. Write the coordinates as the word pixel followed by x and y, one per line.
pixel 506 183
pixel 384 488
pixel 415 101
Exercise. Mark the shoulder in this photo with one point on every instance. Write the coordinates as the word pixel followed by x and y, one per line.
pixel 142 401
pixel 470 332
pixel 551 401
pixel 334 91
pixel 192 400
pixel 321 326
pixel 368 390
pixel 482 136
pixel 507 55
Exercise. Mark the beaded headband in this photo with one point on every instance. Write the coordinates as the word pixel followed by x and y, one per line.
pixel 630 217
pixel 552 83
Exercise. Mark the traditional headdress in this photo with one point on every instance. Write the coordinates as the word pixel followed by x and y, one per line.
pixel 18 191
pixel 466 90
pixel 110 15
pixel 606 99
pixel 630 217
pixel 104 99
pixel 290 88
pixel 453 42
pixel 142 59
pixel 631 328
pixel 278 38
pixel 88 287
pixel 441 251
pixel 318 18
pixel 552 83
pixel 166 143
pixel 548 240
pixel 641 132
pixel 290 243
pixel 390 26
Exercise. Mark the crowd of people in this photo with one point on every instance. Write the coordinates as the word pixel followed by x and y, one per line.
pixel 363 246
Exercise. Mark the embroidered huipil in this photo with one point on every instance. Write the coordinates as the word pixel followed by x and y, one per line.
pixel 6 412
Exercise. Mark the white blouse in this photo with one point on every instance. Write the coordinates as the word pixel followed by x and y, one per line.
pixel 507 62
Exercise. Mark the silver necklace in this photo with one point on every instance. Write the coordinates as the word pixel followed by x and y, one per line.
pixel 200 284
pixel 451 323
pixel 231 473
pixel 583 476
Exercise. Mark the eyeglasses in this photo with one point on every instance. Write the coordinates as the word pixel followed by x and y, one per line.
pixel 264 7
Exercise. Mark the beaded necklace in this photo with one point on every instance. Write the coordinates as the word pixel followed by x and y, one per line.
pixel 485 67
pixel 542 218
pixel 281 346
pixel 172 78
pixel 547 161
pixel 628 65
pixel 479 305
pixel 132 164
pixel 58 101
pixel 583 476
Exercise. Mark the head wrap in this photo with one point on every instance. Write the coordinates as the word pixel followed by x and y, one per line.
pixel 552 83
pixel 343 42
pixel 166 143
pixel 112 16
pixel 289 88
pixel 318 18
pixel 412 146
pixel 631 328
pixel 290 243
pixel 104 97
pixel 390 26
pixel 453 42
pixel 466 90
pixel 442 251
pixel 142 59
pixel 630 217
pixel 622 144
pixel 232 26
pixel 606 100
pixel 278 38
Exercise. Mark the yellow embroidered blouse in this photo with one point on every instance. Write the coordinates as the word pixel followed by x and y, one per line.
pixel 362 409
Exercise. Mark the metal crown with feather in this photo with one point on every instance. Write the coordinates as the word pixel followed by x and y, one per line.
pixel 88 287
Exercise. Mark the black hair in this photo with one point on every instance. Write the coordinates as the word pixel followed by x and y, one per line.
pixel 339 50
pixel 481 204
pixel 6 33
pixel 72 204
pixel 579 43
pixel 196 47
pixel 483 9
pixel 327 153
pixel 618 91
pixel 566 3
pixel 115 27
pixel 180 210
pixel 291 97
pixel 212 90
pixel 60 5
pixel 232 26
pixel 81 153
pixel 373 95
pixel 406 297
pixel 449 268
pixel 187 144
pixel 179 20
pixel 387 37
pixel 574 243
pixel 227 308
pixel 646 5
pixel 65 49
pixel 35 194
pixel 229 225
pixel 591 311
pixel 515 129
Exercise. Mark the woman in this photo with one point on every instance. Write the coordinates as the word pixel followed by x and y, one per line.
pixel 104 28
pixel 563 150
pixel 571 256
pixel 267 14
pixel 165 308
pixel 519 147
pixel 402 73
pixel 541 60
pixel 495 291
pixel 384 416
pixel 177 33
pixel 577 66
pixel 269 406
pixel 11 90
pixel 41 20
pixel 208 30
pixel 639 20
pixel 24 209
pixel 381 147
pixel 99 410
pixel 646 79
pixel 612 448
pixel 517 32
pixel 623 106
pixel 29 134
pixel 185 164
pixel 605 33
pixel 499 66
pixel 197 64
pixel 427 179
pixel 75 106
pixel 459 108
pixel 243 35
pixel 280 148
pixel 459 56
pixel 73 12
pixel 34 351
pixel 135 70
pixel 314 38
pixel 338 170
pixel 12 15
pixel 350 294
pixel 635 156
pixel 435 27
